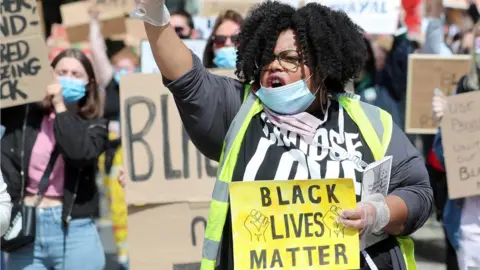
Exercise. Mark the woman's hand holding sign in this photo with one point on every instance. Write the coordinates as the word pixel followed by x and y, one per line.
pixel 371 215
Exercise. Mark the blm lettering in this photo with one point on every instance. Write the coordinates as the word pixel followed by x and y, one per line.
pixel 171 172
pixel 17 62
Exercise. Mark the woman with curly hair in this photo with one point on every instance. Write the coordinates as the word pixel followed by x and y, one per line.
pixel 288 117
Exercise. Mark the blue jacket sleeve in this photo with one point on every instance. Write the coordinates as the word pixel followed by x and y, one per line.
pixel 438 148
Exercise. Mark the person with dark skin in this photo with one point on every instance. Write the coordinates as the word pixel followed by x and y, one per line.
pixel 292 65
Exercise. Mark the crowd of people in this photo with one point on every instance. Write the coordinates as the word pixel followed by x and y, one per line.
pixel 293 67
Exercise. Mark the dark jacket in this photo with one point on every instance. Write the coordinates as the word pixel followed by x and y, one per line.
pixel 80 143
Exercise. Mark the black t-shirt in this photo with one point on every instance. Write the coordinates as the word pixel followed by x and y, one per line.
pixel 268 152
pixel 112 101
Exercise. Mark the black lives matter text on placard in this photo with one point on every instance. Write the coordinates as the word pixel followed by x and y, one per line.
pixel 24 70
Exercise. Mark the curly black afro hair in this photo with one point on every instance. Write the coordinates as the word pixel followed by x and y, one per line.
pixel 331 44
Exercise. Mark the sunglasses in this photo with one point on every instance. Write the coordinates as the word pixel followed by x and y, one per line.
pixel 179 31
pixel 220 40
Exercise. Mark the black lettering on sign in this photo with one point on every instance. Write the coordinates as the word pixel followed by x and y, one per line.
pixel 265 194
pixel 323 255
pixel 293 254
pixel 170 172
pixel 195 220
pixel 138 137
pixel 459 125
pixel 297 195
pixel 309 252
pixel 275 236
pixel 276 259
pixel 280 200
pixel 13 21
pixel 462 108
pixel 258 260
pixel 340 250
pixel 16 64
pixel 311 196
pixel 297 225
pixel 467 172
pixel 331 194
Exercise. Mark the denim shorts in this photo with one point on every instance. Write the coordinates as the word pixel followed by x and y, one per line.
pixel 79 248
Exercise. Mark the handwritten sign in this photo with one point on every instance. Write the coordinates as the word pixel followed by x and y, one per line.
pixel 161 163
pixel 425 73
pixel 461 144
pixel 76 19
pixel 25 69
pixel 374 16
pixel 292 225
pixel 174 230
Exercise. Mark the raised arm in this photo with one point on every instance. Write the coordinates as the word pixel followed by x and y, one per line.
pixel 173 58
pixel 101 63
pixel 207 103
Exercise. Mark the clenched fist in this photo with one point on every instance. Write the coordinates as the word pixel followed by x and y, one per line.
pixel 54 94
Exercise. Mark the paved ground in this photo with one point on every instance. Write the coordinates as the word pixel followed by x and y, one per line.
pixel 430 247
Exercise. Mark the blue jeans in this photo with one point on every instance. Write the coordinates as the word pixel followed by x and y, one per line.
pixel 79 249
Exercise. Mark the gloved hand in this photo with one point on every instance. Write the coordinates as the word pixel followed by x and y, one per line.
pixel 153 12
pixel 439 103
pixel 371 215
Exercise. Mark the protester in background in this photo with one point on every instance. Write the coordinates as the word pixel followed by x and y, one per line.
pixel 109 72
pixel 221 48
pixel 69 120
pixel 369 91
pixel 5 207
pixel 461 216
pixel 435 44
pixel 293 61
pixel 182 21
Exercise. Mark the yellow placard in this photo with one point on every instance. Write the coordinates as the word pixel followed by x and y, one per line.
pixel 292 225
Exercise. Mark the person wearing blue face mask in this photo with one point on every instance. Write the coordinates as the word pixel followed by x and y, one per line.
pixel 288 117
pixel 221 50
pixel 61 140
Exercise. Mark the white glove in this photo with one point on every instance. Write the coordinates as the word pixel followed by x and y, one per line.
pixel 371 215
pixel 153 12
pixel 439 103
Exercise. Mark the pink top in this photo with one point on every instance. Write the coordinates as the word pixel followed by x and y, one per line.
pixel 39 159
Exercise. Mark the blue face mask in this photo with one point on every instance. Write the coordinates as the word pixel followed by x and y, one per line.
pixel 288 99
pixel 118 74
pixel 226 57
pixel 72 89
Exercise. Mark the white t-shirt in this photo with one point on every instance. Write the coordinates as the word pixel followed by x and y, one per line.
pixel 469 254
pixel 5 206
